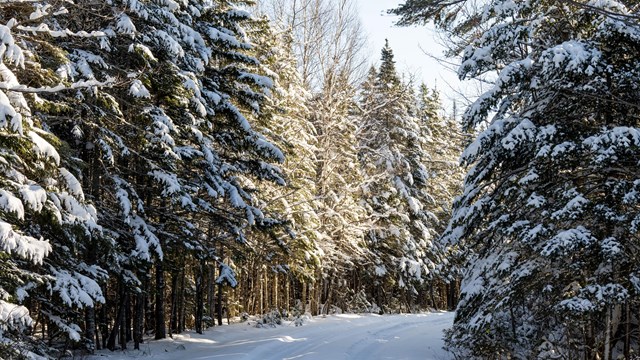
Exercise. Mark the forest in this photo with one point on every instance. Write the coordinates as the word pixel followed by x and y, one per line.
pixel 167 164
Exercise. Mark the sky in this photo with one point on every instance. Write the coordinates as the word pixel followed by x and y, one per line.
pixel 411 47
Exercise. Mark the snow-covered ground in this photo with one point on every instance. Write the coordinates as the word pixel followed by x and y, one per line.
pixel 411 336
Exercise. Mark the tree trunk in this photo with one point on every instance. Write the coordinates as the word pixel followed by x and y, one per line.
pixel 261 280
pixel 267 291
pixel 432 295
pixel 128 322
pixel 181 302
pixel 104 329
pixel 90 328
pixel 199 296
pixel 138 319
pixel 452 298
pixel 160 330
pixel 304 297
pixel 111 342
pixel 275 291
pixel 123 326
pixel 607 334
pixel 627 330
pixel 287 294
pixel 219 303
pixel 210 293
pixel 318 294
pixel 173 321
pixel 149 319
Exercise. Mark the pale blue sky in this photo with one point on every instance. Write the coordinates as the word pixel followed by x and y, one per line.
pixel 409 45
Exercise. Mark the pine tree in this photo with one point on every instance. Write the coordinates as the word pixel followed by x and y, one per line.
pixel 328 43
pixel 391 154
pixel 47 225
pixel 441 174
pixel 166 153
pixel 549 211
pixel 285 121
pixel 338 179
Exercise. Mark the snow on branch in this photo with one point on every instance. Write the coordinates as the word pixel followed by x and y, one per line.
pixel 8 47
pixel 53 89
pixel 23 246
pixel 76 289
pixel 11 314
pixel 44 28
pixel 227 275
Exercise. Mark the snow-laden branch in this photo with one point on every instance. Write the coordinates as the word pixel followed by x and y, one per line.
pixel 53 89
pixel 44 28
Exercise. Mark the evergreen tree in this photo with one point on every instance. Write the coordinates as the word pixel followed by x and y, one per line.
pixel 46 225
pixel 164 153
pixel 285 121
pixel 442 175
pixel 392 156
pixel 549 211
pixel 338 179
pixel 328 43
pixel 441 171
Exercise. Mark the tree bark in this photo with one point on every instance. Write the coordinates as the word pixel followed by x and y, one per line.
pixel 304 297
pixel 181 302
pixel 199 296
pixel 432 295
pixel 111 342
pixel 275 291
pixel 149 322
pixel 627 331
pixel 104 329
pixel 138 319
pixel 90 328
pixel 128 321
pixel 210 293
pixel 219 302
pixel 123 326
pixel 173 321
pixel 287 294
pixel 160 329
pixel 607 336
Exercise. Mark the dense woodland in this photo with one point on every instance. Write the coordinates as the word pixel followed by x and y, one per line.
pixel 168 163
pixel 165 164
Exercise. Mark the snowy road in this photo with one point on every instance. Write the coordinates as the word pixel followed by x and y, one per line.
pixel 334 337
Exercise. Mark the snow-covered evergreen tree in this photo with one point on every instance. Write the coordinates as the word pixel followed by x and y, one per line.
pixel 338 179
pixel 285 121
pixel 169 148
pixel 328 43
pixel 194 88
pixel 444 143
pixel 442 176
pixel 549 212
pixel 391 152
pixel 46 226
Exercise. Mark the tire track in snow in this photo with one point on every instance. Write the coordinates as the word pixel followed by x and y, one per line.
pixel 336 337
pixel 363 337
pixel 419 337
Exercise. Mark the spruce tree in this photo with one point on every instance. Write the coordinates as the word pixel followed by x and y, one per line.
pixel 338 178
pixel 445 140
pixel 47 225
pixel 166 152
pixel 285 121
pixel 442 175
pixel 549 213
pixel 391 154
